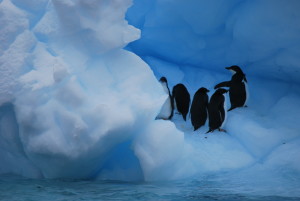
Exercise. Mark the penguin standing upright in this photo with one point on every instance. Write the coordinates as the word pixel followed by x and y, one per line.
pixel 237 87
pixel 199 108
pixel 216 111
pixel 166 111
pixel 181 99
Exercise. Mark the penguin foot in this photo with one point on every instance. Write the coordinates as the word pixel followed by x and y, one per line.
pixel 196 127
pixel 222 130
pixel 231 109
pixel 209 131
pixel 157 118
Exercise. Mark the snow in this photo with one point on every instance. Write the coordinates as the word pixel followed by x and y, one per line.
pixel 79 88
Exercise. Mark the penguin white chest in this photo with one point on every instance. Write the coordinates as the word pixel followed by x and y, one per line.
pixel 166 109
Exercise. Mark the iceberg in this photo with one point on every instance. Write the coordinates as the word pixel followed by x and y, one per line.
pixel 79 88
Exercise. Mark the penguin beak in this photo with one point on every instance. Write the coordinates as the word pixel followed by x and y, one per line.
pixel 228 68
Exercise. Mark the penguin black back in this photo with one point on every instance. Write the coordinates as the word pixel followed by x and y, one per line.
pixel 199 108
pixel 237 88
pixel 181 98
pixel 216 111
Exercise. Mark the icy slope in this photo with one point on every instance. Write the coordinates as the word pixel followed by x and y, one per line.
pixel 262 137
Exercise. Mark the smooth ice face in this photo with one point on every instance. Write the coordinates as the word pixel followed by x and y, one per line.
pixel 260 36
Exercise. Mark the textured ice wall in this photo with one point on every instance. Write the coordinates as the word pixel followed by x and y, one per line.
pixel 71 99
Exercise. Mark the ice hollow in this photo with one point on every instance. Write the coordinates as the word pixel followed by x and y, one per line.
pixel 192 42
pixel 262 37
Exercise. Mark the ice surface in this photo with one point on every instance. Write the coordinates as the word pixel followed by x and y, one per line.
pixel 69 93
pixel 75 103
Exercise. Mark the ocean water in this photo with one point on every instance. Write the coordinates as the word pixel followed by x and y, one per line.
pixel 207 188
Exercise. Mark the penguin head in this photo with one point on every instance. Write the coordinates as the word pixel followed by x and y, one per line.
pixel 234 69
pixel 163 80
pixel 221 91
pixel 203 89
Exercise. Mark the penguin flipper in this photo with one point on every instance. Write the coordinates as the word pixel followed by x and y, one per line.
pixel 245 79
pixel 223 84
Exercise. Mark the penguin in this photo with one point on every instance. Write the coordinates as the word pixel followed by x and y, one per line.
pixel 199 108
pixel 216 110
pixel 166 111
pixel 181 99
pixel 238 93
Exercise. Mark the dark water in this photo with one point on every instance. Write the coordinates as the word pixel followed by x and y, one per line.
pixel 19 189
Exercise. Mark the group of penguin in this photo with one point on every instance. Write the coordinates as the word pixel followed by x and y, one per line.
pixel 202 107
